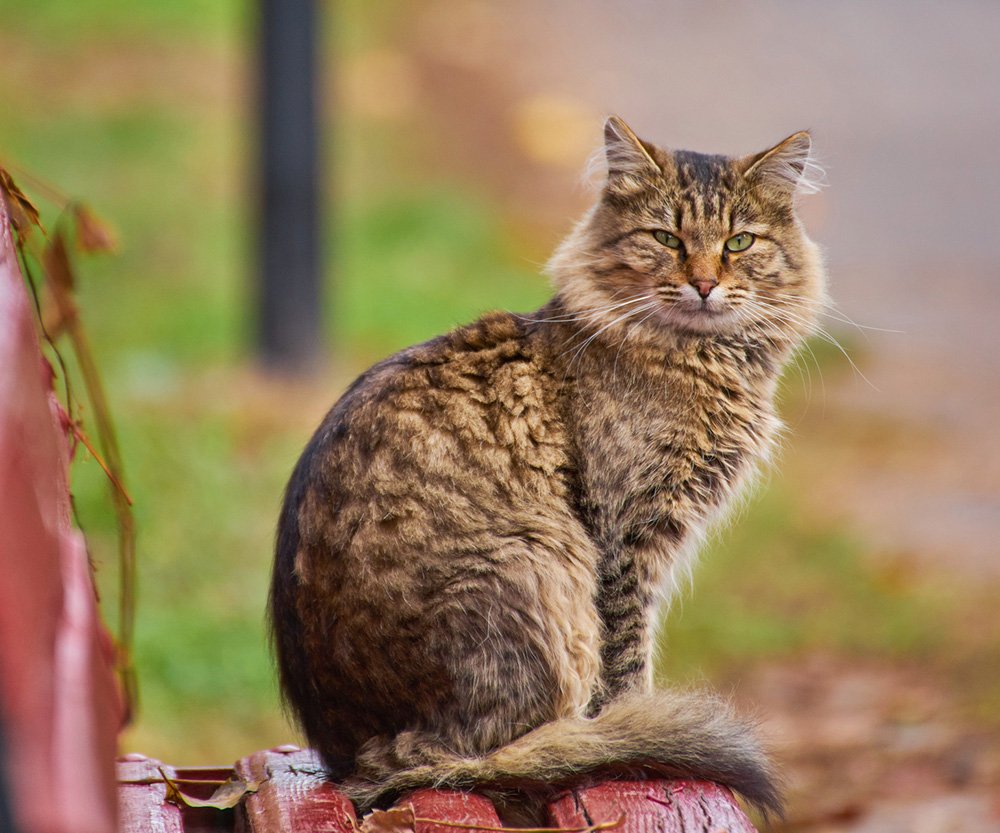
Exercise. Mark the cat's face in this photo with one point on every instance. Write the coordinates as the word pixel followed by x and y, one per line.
pixel 697 244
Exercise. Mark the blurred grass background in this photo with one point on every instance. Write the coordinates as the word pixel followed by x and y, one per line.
pixel 144 109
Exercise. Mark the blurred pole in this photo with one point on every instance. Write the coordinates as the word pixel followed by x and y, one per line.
pixel 289 298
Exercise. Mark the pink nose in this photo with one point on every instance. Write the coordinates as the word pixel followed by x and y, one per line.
pixel 704 286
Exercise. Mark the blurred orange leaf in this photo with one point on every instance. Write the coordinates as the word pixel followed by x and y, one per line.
pixel 60 282
pixel 92 233
pixel 58 268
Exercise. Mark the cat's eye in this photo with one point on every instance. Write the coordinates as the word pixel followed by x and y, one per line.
pixel 740 242
pixel 667 239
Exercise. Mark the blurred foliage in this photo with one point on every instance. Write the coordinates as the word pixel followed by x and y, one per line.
pixel 778 582
pixel 426 258
pixel 144 109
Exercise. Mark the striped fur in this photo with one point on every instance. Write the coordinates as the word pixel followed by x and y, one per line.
pixel 474 544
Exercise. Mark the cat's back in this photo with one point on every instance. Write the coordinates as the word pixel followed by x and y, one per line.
pixel 481 390
pixel 436 486
pixel 438 439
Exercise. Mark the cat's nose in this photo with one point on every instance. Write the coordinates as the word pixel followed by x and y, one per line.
pixel 704 286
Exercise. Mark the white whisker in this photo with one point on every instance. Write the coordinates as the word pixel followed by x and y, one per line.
pixel 639 323
pixel 781 312
pixel 578 351
pixel 585 315
pixel 843 318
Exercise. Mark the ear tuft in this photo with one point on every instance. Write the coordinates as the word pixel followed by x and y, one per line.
pixel 625 152
pixel 788 166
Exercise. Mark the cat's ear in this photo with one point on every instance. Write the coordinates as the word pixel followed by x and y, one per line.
pixel 629 160
pixel 788 166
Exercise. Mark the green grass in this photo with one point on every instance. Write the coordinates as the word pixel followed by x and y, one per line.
pixel 208 445
pixel 421 262
pixel 778 583
pixel 61 22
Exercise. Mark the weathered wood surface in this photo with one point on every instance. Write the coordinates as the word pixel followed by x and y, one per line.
pixel 146 806
pixel 293 796
pixel 142 797
pixel 654 807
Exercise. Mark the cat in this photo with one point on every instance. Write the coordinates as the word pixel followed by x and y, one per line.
pixel 473 544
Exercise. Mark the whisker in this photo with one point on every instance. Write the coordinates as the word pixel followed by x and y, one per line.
pixel 843 318
pixel 639 323
pixel 788 316
pixel 584 315
pixel 768 331
pixel 610 324
pixel 578 351
pixel 802 366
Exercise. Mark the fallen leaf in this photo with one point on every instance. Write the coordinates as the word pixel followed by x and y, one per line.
pixel 464 825
pixel 226 796
pixel 396 820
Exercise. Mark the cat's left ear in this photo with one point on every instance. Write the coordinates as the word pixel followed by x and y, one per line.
pixel 629 160
pixel 788 166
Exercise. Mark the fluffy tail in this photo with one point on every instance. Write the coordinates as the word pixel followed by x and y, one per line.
pixel 664 733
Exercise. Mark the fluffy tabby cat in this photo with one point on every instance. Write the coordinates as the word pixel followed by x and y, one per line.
pixel 473 544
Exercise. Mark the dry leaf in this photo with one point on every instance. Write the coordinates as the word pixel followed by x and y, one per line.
pixel 587 828
pixel 57 266
pixel 60 282
pixel 396 820
pixel 225 797
pixel 92 233
pixel 23 215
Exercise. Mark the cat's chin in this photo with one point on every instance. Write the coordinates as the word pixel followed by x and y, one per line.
pixel 700 320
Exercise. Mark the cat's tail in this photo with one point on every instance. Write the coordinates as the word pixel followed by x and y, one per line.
pixel 664 733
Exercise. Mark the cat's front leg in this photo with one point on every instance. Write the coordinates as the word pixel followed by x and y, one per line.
pixel 626 605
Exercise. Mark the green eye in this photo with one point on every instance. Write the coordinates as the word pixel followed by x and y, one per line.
pixel 667 239
pixel 740 242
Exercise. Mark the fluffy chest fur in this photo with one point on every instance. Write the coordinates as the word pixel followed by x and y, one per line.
pixel 665 442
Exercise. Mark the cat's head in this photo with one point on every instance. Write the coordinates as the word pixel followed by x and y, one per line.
pixel 695 244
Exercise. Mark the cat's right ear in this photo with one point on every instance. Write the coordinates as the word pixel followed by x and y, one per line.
pixel 788 167
pixel 630 163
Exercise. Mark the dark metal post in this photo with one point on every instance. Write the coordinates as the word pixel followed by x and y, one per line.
pixel 289 298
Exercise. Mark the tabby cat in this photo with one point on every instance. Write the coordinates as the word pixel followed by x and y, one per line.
pixel 474 543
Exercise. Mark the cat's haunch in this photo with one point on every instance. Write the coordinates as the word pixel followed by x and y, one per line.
pixel 473 543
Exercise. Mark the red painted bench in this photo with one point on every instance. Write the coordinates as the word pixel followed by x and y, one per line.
pixel 290 794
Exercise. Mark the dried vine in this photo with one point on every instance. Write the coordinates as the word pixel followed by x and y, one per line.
pixel 58 317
